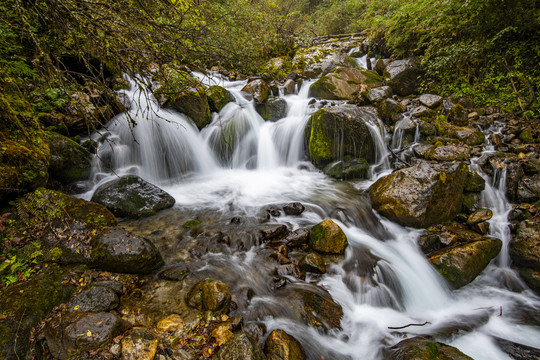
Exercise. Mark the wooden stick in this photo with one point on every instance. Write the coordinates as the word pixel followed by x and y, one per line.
pixel 403 327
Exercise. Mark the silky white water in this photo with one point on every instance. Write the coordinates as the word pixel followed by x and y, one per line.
pixel 240 163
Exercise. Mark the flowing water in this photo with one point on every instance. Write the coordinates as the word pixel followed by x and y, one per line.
pixel 240 164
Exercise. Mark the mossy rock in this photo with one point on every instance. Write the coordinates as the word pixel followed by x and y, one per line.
pixel 345 84
pixel 532 278
pixel 466 134
pixel 420 348
pixel 68 162
pixel 525 246
pixel 259 89
pixel 26 303
pixel 278 67
pixel 334 133
pixel 404 76
pixel 218 97
pixel 390 111
pixel 273 109
pixel 194 103
pixel 328 237
pixel 210 294
pixel 349 169
pixel 281 346
pixel 130 196
pixel 316 61
pixel 458 115
pixel 474 182
pixel 462 263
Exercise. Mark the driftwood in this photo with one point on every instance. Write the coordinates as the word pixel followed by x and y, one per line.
pixel 406 326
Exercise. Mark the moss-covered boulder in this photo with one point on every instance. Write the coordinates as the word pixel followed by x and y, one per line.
pixel 281 346
pixel 259 89
pixel 458 115
pixel 419 348
pixel 119 251
pixel 528 189
pixel 345 84
pixel 316 61
pixel 273 109
pixel 421 195
pixel 328 237
pixel 211 295
pixel 390 111
pixel 24 152
pixel 68 162
pixel 466 134
pixel 278 67
pixel 462 263
pixel 379 93
pixel 218 97
pixel 525 246
pixel 130 196
pixel 334 133
pixel 241 347
pixel 404 76
pixel 194 103
pixel 448 152
pixel 24 304
pixel 65 224
pixel 430 100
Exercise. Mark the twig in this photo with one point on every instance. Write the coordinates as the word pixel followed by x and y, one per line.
pixel 397 157
pixel 403 327
pixel 513 84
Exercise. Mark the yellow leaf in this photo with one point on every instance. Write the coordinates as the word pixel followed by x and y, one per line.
pixel 88 333
pixel 76 308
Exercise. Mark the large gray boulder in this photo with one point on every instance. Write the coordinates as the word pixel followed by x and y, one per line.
pixel 334 133
pixel 218 97
pixel 404 76
pixel 130 196
pixel 316 61
pixel 345 84
pixel 68 161
pixel 421 195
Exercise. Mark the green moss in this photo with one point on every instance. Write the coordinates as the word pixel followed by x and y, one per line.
pixel 441 125
pixel 191 224
pixel 321 147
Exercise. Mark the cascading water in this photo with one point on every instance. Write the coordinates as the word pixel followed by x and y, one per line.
pixel 239 164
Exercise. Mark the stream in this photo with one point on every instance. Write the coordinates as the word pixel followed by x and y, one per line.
pixel 240 165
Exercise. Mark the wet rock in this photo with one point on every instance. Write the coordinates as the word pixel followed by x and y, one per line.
pixel 380 65
pixel 273 211
pixel 449 152
pixel 422 111
pixel 273 109
pixel 170 323
pixel 119 251
pixel 345 84
pixel 425 348
pixel 458 115
pixel 293 209
pixel 379 93
pixel 297 237
pixel 218 97
pixel 259 89
pixel 281 346
pixel 317 61
pixel 532 278
pixel 288 87
pixel 467 135
pixel 403 76
pixel 430 100
pixel 115 286
pixel 193 103
pixel 241 347
pixel 273 231
pixel 514 174
pixel 81 332
pixel 313 262
pixel 291 270
pixel 531 166
pixel 479 216
pixel 211 295
pixel 462 263
pixel 348 169
pixel 280 258
pixel 474 182
pixel 390 111
pixel 96 299
pixel 528 189
pixel 24 305
pixel 518 351
pixel 68 161
pixel 139 344
pixel 328 237
pixel 344 125
pixel 130 196
pixel 525 246
pixel 255 329
pixel 420 195
pixel 222 333
pixel 177 272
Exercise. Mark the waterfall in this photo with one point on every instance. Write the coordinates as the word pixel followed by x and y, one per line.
pixel 239 164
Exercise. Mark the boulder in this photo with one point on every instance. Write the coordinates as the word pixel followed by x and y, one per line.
pixel 328 237
pixel 349 169
pixel 528 189
pixel 130 196
pixel 273 109
pixel 425 348
pixel 390 111
pixel 514 174
pixel 380 65
pixel 96 299
pixel 430 100
pixel 289 87
pixel 379 93
pixel 317 61
pixel 474 182
pixel 462 263
pixel 313 262
pixel 294 208
pixel 281 346
pixel 68 161
pixel 241 347
pixel 403 76
pixel 525 246
pixel 117 250
pixel 297 237
pixel 139 344
pixel 79 332
pixel 194 103
pixel 278 67
pixel 340 131
pixel 458 115
pixel 479 216
pixel 218 97
pixel 211 295
pixel 466 134
pixel 345 84
pixel 24 305
pixel 259 89
pixel 448 152
pixel 420 195
pixel 273 231
pixel 404 132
